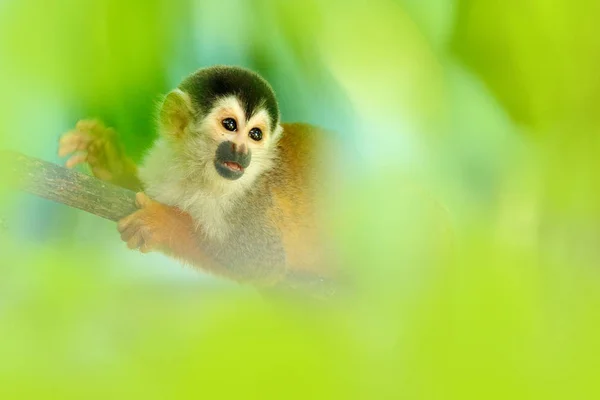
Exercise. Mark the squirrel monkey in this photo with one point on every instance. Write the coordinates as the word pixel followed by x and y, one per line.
pixel 226 187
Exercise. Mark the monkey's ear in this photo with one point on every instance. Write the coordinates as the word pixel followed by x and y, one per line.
pixel 175 114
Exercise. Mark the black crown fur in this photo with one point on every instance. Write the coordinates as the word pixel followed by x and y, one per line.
pixel 207 85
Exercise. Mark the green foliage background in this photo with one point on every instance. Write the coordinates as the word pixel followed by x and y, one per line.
pixel 490 108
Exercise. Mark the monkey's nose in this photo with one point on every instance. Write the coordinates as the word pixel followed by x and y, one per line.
pixel 239 148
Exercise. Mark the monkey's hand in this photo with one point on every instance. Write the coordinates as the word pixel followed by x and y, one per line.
pixel 93 143
pixel 155 227
pixel 158 227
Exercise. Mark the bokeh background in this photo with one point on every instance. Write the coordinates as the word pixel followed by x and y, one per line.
pixel 466 205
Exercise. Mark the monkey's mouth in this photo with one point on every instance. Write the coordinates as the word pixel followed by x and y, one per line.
pixel 233 166
pixel 230 170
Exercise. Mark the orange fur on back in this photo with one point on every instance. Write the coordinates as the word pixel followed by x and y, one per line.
pixel 293 189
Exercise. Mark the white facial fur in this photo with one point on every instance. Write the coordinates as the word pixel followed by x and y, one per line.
pixel 181 172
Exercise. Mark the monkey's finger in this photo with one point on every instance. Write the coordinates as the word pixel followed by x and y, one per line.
pixel 141 240
pixel 112 151
pixel 76 160
pixel 129 233
pixel 133 228
pixel 124 223
pixel 148 244
pixel 96 156
pixel 142 200
pixel 88 125
pixel 92 159
pixel 74 134
pixel 73 141
pixel 135 241
pixel 145 248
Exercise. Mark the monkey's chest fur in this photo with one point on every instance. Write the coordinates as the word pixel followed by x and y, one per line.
pixel 237 231
pixel 252 246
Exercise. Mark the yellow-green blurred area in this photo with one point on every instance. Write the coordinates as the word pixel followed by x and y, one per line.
pixel 466 205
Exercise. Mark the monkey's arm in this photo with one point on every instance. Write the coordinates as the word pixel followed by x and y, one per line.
pixel 158 227
pixel 98 146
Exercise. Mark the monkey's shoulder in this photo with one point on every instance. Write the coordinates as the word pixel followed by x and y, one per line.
pixel 300 136
pixel 301 151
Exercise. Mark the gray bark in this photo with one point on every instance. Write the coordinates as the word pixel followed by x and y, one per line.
pixel 69 187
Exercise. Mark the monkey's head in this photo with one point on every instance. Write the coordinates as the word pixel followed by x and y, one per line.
pixel 224 123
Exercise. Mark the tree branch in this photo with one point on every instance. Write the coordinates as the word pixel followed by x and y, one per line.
pixel 112 202
pixel 69 187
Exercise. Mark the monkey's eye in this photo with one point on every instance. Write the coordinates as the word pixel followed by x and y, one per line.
pixel 255 134
pixel 229 124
